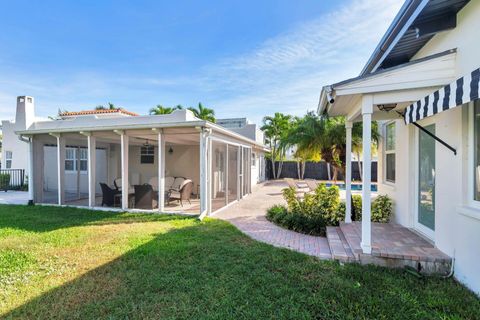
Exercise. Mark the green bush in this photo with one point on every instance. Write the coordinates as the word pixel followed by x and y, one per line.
pixel 311 214
pixel 382 209
pixel 4 181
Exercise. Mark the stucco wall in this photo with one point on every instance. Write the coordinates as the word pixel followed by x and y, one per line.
pixel 455 233
pixel 10 142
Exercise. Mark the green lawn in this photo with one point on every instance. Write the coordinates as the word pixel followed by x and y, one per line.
pixel 71 263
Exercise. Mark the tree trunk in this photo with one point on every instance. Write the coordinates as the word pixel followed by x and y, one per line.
pixel 304 164
pixel 335 172
pixel 299 169
pixel 359 165
pixel 273 169
pixel 328 172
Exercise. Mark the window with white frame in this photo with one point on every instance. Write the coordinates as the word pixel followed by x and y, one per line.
pixel 476 149
pixel 71 159
pixel 390 152
pixel 147 154
pixel 8 159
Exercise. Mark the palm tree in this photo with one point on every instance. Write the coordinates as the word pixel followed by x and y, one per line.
pixel 297 136
pixel 276 130
pixel 159 109
pixel 203 113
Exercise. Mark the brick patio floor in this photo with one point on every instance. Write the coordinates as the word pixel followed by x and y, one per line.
pixel 248 215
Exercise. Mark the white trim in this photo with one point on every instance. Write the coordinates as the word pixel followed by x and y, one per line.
pixel 425 231
pixel 385 152
pixel 471 202
pixel 471 212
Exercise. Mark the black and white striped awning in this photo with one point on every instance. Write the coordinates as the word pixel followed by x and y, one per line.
pixel 461 91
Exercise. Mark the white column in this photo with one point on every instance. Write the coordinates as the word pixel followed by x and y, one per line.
pixel 124 155
pixel 161 172
pixel 31 192
pixel 203 173
pixel 91 158
pixel 209 175
pixel 61 169
pixel 348 173
pixel 367 109
pixel 227 189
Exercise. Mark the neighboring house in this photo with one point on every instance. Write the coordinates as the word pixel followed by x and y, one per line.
pixel 14 151
pixel 107 157
pixel 422 82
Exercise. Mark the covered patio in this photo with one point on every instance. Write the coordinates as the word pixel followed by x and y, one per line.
pixel 171 163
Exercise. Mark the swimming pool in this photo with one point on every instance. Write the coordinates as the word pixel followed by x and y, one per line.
pixel 355 187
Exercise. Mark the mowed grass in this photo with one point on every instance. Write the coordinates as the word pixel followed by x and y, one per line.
pixel 81 264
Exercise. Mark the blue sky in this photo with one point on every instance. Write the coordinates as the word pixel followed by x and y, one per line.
pixel 242 58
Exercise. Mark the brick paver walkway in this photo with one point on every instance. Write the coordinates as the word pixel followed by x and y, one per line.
pixel 248 215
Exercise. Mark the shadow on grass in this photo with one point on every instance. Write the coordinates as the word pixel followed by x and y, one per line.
pixel 49 218
pixel 211 270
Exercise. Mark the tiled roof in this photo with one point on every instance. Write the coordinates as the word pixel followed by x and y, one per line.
pixel 101 111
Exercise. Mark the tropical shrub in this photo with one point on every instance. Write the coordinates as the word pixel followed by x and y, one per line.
pixel 311 214
pixel 382 209
pixel 315 211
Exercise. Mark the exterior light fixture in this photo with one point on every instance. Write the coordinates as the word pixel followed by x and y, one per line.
pixel 170 150
pixel 386 107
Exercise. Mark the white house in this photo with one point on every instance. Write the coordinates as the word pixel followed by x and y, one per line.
pixel 116 158
pixel 422 82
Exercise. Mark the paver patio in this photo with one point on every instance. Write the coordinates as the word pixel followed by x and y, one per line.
pixel 249 216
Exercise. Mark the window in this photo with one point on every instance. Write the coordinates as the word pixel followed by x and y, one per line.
pixel 254 160
pixel 8 159
pixel 476 150
pixel 147 154
pixel 390 152
pixel 71 159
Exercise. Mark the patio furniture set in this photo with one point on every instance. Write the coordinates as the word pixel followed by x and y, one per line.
pixel 145 196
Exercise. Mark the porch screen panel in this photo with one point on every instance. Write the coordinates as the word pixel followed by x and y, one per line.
pixel 219 175
pixel 233 174
pixel 50 174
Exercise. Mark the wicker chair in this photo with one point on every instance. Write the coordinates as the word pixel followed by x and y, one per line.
pixel 183 194
pixel 108 195
pixel 145 197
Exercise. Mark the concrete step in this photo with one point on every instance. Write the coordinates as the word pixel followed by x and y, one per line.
pixel 352 237
pixel 338 245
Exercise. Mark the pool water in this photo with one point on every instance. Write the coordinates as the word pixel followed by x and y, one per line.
pixel 355 187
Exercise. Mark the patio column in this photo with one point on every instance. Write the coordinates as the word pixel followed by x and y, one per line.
pixel 31 192
pixel 348 173
pixel 91 158
pixel 161 170
pixel 204 172
pixel 60 167
pixel 367 110
pixel 124 159
pixel 209 175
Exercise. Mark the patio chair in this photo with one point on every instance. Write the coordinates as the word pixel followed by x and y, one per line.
pixel 145 197
pixel 108 195
pixel 292 184
pixel 118 185
pixel 312 184
pixel 183 194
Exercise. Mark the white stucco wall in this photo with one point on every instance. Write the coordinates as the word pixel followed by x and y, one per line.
pixel 455 233
pixel 19 149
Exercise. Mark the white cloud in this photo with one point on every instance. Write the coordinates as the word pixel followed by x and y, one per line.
pixel 284 73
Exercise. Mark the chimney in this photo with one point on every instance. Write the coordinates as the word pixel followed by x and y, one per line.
pixel 25 115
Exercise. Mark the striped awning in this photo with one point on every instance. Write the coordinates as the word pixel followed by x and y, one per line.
pixel 463 90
